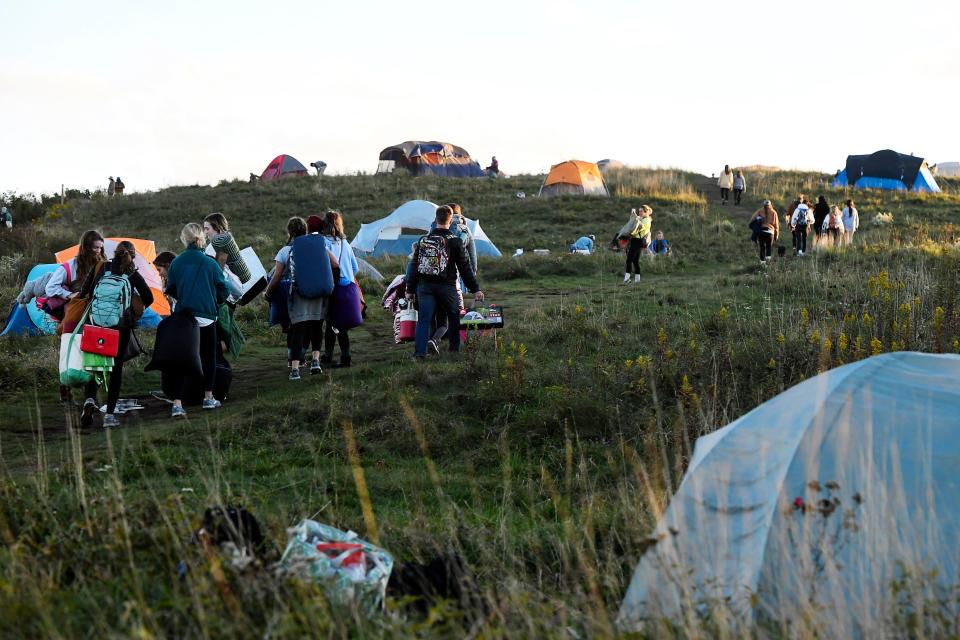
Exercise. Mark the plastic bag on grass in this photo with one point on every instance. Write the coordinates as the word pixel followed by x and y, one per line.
pixel 351 569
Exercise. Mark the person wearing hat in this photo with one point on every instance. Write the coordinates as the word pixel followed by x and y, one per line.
pixel 584 244
pixel 768 221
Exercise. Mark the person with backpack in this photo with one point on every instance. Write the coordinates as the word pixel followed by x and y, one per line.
pixel 310 266
pixel 851 222
pixel 820 212
pixel 800 223
pixel 725 182
pixel 637 229
pixel 278 289
pixel 833 226
pixel 437 259
pixel 337 245
pixel 769 222
pixel 739 186
pixel 196 281
pixel 110 290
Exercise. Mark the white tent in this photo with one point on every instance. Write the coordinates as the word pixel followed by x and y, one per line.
pixel 803 508
pixel 394 234
pixel 947 169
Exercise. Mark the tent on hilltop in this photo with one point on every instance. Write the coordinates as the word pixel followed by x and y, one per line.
pixel 609 165
pixel 430 158
pixel 811 505
pixel 887 169
pixel 946 169
pixel 574 177
pixel 393 235
pixel 283 166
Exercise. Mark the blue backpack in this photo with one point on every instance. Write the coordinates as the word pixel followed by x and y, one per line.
pixel 310 267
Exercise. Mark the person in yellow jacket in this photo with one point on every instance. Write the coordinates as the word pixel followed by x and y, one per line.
pixel 637 229
pixel 725 182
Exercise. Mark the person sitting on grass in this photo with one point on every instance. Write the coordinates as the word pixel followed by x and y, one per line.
pixel 584 244
pixel 660 246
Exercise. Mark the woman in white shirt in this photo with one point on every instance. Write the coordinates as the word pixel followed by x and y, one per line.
pixel 851 221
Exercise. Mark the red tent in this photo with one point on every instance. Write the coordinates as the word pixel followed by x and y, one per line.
pixel 283 166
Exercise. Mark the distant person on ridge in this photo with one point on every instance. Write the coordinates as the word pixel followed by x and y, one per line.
pixel 725 182
pixel 118 187
pixel 6 218
pixel 111 187
pixel 739 186
pixel 494 169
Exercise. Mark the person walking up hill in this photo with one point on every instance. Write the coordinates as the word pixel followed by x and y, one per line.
pixel 725 182
pixel 739 186
pixel 769 221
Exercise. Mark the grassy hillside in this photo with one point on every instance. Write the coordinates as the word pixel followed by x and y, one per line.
pixel 542 457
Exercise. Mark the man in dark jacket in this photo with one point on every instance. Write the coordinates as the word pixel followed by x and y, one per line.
pixel 438 259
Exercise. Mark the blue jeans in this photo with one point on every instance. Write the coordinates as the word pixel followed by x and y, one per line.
pixel 435 298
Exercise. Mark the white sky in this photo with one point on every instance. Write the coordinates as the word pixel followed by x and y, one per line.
pixel 185 92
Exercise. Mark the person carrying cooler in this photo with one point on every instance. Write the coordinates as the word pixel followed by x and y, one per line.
pixel 337 245
pixel 769 222
pixel 196 281
pixel 111 291
pixel 437 257
pixel 800 223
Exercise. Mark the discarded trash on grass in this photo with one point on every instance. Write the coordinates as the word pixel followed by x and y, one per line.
pixel 352 570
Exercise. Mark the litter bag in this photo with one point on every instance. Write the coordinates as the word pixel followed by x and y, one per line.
pixel 352 570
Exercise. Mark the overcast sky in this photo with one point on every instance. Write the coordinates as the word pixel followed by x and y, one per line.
pixel 179 92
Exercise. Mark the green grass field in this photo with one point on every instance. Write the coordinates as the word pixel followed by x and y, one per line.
pixel 542 456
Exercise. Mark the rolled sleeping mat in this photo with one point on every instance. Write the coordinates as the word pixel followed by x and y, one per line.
pixel 224 243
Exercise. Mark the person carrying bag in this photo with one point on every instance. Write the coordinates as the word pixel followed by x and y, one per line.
pixel 347 299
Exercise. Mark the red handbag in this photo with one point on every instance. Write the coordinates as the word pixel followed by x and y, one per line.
pixel 100 340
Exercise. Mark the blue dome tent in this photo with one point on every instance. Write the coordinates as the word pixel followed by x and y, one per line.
pixel 393 235
pixel 887 169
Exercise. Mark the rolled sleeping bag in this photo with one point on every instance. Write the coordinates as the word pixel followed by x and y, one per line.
pixel 224 243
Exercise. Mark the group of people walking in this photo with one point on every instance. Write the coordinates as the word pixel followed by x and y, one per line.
pixel 115 187
pixel 831 225
pixel 731 180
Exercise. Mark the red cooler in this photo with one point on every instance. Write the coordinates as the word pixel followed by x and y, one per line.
pixel 408 325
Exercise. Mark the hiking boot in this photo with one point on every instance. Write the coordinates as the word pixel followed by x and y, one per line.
pixel 178 412
pixel 213 403
pixel 110 420
pixel 432 347
pixel 86 413
pixel 315 367
pixel 294 374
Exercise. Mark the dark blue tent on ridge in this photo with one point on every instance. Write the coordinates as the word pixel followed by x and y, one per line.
pixel 887 169
pixel 430 159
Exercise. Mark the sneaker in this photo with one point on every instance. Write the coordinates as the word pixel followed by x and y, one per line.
pixel 86 414
pixel 315 367
pixel 178 412
pixel 432 348
pixel 213 403
pixel 626 278
pixel 110 420
pixel 294 375
pixel 636 278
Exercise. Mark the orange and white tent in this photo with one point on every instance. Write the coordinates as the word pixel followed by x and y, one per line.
pixel 574 177
pixel 146 253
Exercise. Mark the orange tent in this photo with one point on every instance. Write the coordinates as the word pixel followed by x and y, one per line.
pixel 146 253
pixel 574 177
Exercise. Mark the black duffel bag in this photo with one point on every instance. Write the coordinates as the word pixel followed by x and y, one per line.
pixel 193 389
pixel 177 347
